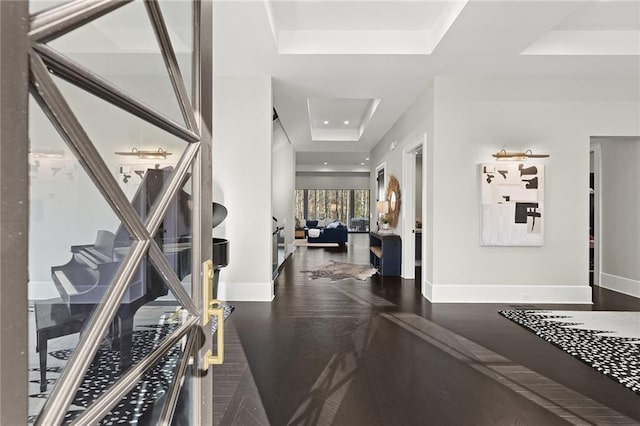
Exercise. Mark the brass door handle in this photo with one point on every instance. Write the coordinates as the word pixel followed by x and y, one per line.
pixel 209 358
pixel 212 307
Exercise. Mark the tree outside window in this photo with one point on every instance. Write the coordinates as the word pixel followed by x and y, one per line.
pixel 349 206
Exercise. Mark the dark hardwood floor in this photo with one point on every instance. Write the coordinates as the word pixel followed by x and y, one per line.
pixel 376 352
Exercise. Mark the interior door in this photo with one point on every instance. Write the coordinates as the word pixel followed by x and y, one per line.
pixel 120 212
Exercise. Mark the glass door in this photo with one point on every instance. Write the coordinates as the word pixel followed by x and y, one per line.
pixel 120 212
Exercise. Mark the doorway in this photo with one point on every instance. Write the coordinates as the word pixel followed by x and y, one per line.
pixel 414 179
pixel 595 163
pixel 381 188
pixel 119 201
pixel 616 228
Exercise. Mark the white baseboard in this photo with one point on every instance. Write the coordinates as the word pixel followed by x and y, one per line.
pixel 620 284
pixel 428 290
pixel 454 293
pixel 245 292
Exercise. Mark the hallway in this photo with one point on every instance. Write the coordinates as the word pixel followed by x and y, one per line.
pixel 376 352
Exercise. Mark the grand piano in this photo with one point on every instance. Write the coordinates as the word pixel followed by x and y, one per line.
pixel 83 280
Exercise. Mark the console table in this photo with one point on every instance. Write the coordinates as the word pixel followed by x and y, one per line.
pixel 385 253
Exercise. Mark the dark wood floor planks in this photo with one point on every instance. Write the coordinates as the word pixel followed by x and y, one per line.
pixel 376 352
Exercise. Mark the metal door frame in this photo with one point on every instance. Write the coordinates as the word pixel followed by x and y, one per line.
pixel 17 44
pixel 14 213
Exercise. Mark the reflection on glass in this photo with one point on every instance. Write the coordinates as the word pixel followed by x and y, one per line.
pixel 73 254
pixel 143 403
pixel 77 243
pixel 36 6
pixel 124 51
pixel 176 231
pixel 178 17
pixel 98 117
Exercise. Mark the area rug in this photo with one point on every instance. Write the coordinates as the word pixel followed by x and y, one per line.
pixel 105 370
pixel 337 271
pixel 607 341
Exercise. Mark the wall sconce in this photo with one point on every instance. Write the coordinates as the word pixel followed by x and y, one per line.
pixel 47 153
pixel 504 155
pixel 160 154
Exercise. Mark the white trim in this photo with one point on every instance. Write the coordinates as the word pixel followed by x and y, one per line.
pixel 597 201
pixel 374 211
pixel 620 284
pixel 408 212
pixel 427 289
pixel 409 205
pixel 381 166
pixel 246 292
pixel 471 293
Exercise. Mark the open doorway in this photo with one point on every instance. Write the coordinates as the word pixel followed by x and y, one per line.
pixel 381 192
pixel 616 202
pixel 594 214
pixel 414 208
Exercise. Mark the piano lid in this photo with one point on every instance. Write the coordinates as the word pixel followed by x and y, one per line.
pixel 219 214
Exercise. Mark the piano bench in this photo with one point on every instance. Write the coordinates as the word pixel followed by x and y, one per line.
pixel 53 319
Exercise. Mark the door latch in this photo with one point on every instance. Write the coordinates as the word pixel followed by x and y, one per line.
pixel 212 307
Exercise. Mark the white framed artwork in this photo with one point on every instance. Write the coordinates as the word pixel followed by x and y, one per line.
pixel 512 198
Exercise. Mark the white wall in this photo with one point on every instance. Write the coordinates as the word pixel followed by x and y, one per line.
pixel 332 180
pixel 410 128
pixel 477 117
pixel 620 214
pixel 242 123
pixel 283 184
pixel 466 120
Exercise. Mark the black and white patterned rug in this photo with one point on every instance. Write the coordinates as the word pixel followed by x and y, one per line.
pixel 104 371
pixel 607 341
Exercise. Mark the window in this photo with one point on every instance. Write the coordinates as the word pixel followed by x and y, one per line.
pixel 349 206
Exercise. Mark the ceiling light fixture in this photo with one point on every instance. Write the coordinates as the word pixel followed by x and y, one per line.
pixel 325 163
pixel 146 154
pixel 325 122
pixel 346 121
pixel 366 159
pixel 362 164
pixel 504 155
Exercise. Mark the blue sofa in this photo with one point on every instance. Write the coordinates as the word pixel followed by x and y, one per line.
pixel 339 234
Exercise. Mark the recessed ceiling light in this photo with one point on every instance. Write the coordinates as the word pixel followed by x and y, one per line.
pixel 325 122
pixel 367 159
pixel 362 164
pixel 325 163
pixel 346 121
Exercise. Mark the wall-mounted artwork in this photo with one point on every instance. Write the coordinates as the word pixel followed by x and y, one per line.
pixel 512 204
